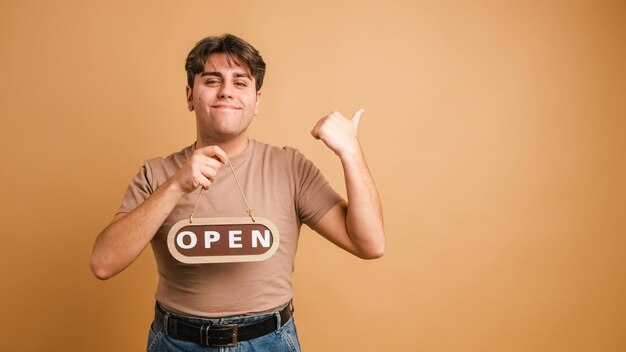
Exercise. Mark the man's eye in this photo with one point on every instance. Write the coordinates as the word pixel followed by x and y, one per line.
pixel 241 84
pixel 212 81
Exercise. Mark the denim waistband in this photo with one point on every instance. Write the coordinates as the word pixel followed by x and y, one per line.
pixel 236 319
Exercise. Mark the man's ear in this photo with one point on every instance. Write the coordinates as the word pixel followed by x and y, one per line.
pixel 258 102
pixel 189 93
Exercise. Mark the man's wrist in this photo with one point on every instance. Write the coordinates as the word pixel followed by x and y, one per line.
pixel 351 154
pixel 172 188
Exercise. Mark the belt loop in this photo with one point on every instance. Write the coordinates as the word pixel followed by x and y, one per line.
pixel 166 321
pixel 278 320
pixel 204 334
pixel 166 318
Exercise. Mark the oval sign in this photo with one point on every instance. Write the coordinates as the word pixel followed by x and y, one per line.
pixel 223 240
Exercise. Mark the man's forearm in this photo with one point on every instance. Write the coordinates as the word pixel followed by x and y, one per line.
pixel 125 238
pixel 364 220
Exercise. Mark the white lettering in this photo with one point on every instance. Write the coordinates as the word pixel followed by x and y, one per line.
pixel 234 236
pixel 210 237
pixel 193 240
pixel 256 237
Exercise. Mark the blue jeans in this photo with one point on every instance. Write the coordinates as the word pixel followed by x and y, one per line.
pixel 283 339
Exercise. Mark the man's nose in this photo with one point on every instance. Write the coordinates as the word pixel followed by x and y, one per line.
pixel 225 91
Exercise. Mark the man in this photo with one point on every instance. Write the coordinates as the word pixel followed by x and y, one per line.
pixel 245 304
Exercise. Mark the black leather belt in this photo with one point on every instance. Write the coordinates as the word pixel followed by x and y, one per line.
pixel 210 334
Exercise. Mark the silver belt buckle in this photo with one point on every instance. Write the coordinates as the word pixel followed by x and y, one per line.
pixel 205 335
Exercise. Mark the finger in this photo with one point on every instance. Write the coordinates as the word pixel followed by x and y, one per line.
pixel 205 178
pixel 203 182
pixel 214 152
pixel 315 132
pixel 221 155
pixel 208 172
pixel 211 162
pixel 356 119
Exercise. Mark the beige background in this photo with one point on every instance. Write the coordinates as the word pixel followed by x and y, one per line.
pixel 494 130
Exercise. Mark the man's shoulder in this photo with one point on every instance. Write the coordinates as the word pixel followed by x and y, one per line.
pixel 173 160
pixel 181 154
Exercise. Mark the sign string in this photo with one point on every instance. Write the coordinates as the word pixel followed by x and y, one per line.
pixel 248 209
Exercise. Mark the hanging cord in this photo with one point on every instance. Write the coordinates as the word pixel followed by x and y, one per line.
pixel 195 207
pixel 248 209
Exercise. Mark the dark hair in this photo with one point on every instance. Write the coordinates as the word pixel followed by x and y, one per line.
pixel 235 48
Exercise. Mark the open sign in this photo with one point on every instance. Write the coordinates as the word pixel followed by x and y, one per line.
pixel 223 240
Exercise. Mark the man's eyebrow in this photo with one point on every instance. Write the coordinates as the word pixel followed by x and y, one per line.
pixel 219 74
pixel 210 73
pixel 246 75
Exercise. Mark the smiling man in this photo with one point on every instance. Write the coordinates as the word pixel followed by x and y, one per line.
pixel 242 305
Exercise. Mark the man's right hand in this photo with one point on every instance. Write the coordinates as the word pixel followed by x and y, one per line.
pixel 200 169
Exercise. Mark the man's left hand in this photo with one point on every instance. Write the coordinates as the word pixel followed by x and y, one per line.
pixel 339 133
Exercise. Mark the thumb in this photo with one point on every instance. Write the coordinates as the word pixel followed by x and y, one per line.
pixel 356 118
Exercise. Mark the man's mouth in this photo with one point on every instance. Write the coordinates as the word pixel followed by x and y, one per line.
pixel 225 107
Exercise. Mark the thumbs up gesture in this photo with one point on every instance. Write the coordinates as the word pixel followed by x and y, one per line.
pixel 339 133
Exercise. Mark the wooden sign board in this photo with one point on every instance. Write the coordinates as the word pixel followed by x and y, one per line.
pixel 223 240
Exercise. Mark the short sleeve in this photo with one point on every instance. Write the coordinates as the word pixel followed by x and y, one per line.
pixel 314 195
pixel 139 189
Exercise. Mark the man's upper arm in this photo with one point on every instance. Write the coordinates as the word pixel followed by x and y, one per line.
pixel 332 226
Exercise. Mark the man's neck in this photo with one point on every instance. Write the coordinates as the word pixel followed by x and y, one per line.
pixel 232 147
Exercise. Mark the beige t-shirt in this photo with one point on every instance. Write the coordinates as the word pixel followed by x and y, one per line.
pixel 280 184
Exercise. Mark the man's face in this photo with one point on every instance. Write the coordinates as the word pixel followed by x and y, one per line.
pixel 224 98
